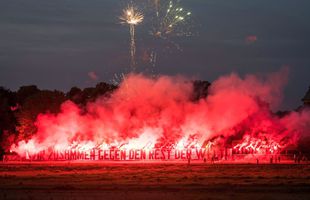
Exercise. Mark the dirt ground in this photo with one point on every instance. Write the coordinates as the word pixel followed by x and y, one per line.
pixel 63 180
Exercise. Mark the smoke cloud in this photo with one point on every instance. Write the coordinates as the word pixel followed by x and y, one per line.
pixel 147 112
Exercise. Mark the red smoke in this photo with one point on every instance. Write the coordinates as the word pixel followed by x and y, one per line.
pixel 93 76
pixel 250 39
pixel 147 113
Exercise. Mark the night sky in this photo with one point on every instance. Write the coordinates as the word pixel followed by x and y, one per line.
pixel 57 44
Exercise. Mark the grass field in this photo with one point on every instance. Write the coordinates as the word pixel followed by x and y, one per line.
pixel 62 180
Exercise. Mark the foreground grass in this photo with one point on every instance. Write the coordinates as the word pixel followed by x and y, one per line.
pixel 141 180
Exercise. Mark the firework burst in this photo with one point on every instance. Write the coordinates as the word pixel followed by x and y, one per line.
pixel 132 17
pixel 171 21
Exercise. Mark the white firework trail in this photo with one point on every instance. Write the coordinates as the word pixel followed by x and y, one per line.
pixel 132 17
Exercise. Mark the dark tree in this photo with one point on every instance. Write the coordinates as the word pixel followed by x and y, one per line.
pixel 88 95
pixel 41 102
pixel 76 95
pixel 91 94
pixel 200 89
pixel 26 91
pixel 7 119
pixel 104 89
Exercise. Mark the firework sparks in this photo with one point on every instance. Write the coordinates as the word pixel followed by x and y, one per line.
pixel 171 20
pixel 172 17
pixel 118 79
pixel 157 6
pixel 132 17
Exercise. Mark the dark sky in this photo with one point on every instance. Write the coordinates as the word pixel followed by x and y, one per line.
pixel 55 44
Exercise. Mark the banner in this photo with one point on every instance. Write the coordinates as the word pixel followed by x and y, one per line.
pixel 118 155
